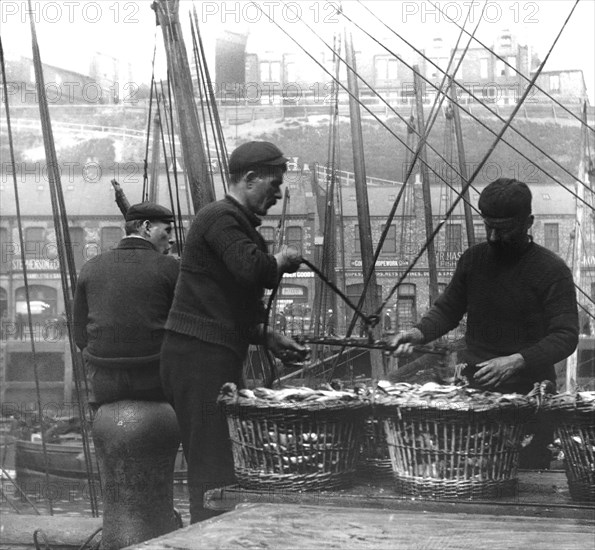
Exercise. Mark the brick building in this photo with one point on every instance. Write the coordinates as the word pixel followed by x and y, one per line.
pixel 96 225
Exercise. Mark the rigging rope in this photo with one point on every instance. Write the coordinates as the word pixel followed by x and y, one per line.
pixel 519 73
pixel 492 111
pixel 481 164
pixel 25 272
pixel 68 274
pixel 145 194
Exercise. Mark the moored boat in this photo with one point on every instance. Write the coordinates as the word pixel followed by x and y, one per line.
pixel 66 462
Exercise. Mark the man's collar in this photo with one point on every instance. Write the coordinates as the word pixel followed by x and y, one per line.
pixel 252 217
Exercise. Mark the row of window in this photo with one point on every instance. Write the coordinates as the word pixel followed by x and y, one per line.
pixel 451 239
pixel 386 68
pixel 37 247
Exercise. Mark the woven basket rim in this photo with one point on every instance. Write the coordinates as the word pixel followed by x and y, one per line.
pixel 388 403
pixel 262 405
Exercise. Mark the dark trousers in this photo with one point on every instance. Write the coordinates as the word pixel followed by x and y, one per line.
pixel 113 384
pixel 192 374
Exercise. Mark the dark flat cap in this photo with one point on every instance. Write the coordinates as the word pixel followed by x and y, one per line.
pixel 255 153
pixel 149 211
pixel 505 198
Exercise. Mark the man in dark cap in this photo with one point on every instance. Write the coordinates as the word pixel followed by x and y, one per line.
pixel 121 304
pixel 218 311
pixel 520 302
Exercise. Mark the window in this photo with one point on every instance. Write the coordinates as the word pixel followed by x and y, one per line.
pixel 3 305
pixel 270 71
pixel 77 241
pixel 479 230
pixel 110 237
pixel 406 307
pixel 483 68
pixel 385 68
pixel 268 234
pixel 293 236
pixel 550 236
pixel 34 242
pixel 555 83
pixel 453 237
pixel 290 68
pixel 43 301
pixel 500 68
pixel 6 251
pixel 357 245
pixel 390 242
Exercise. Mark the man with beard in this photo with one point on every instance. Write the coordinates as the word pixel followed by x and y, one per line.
pixel 520 302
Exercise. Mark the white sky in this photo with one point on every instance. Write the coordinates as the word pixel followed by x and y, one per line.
pixel 69 32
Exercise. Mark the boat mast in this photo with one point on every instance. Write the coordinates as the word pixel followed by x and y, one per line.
pixel 370 303
pixel 425 182
pixel 196 165
pixel 583 177
pixel 462 165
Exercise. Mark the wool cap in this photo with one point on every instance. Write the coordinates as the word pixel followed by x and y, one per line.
pixel 149 211
pixel 255 153
pixel 505 198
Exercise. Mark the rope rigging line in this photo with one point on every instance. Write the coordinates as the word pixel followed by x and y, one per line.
pixel 169 125
pixel 209 95
pixel 200 79
pixel 180 221
pixel 477 119
pixel 65 256
pixel 436 107
pixel 360 102
pixel 382 99
pixel 519 73
pixel 480 166
pixel 25 272
pixel 145 193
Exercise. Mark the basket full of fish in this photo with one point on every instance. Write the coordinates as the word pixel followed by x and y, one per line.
pixel 573 415
pixel 451 441
pixel 294 438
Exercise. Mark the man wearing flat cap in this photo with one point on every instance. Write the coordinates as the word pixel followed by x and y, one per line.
pixel 218 311
pixel 121 303
pixel 520 302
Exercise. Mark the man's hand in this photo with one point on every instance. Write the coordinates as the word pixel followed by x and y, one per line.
pixel 495 372
pixel 288 259
pixel 286 349
pixel 404 341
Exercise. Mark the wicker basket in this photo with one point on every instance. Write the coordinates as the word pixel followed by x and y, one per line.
pixel 574 418
pixel 374 462
pixel 296 446
pixel 452 453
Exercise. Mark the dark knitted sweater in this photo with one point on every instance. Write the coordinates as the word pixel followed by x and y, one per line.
pixel 526 305
pixel 121 304
pixel 225 269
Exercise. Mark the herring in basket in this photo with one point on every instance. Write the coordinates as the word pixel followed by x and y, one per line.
pixel 293 438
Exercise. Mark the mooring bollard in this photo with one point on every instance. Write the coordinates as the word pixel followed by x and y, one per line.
pixel 136 444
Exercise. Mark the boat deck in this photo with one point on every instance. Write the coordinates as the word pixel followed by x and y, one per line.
pixel 302 526
pixel 540 494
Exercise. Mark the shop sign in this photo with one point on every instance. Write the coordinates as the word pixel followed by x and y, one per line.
pixel 36 265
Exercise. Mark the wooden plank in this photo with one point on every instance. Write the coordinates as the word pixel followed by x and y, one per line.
pixel 304 527
pixel 61 531
pixel 541 494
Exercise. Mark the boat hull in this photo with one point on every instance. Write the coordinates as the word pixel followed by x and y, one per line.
pixel 66 463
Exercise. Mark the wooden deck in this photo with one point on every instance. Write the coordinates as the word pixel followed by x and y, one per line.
pixel 540 494
pixel 298 526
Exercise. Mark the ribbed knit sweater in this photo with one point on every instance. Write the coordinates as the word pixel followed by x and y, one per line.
pixel 224 271
pixel 121 304
pixel 524 305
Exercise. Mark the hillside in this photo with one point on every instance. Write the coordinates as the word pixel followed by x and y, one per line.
pixel 307 139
